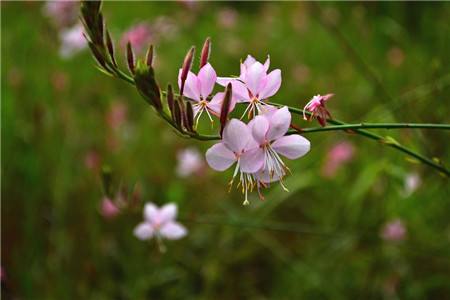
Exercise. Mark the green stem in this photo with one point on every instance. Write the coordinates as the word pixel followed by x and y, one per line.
pixel 377 125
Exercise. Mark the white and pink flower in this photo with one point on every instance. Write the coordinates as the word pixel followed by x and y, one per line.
pixel 316 106
pixel 160 223
pixel 254 85
pixel 198 88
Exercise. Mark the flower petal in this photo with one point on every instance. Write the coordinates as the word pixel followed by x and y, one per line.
pixel 259 126
pixel 267 63
pixel 223 81
pixel 173 231
pixel 264 176
pixel 291 146
pixel 191 88
pixel 167 213
pixel 151 212
pixel 143 231
pixel 236 135
pixel 240 91
pixel 254 76
pixel 215 105
pixel 273 83
pixel 252 160
pixel 207 78
pixel 279 123
pixel 219 157
pixel 250 60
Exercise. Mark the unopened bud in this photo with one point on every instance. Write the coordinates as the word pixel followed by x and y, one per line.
pixel 189 116
pixel 225 110
pixel 130 58
pixel 206 50
pixel 187 64
pixel 110 47
pixel 149 56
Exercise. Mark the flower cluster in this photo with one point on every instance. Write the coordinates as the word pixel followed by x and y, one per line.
pixel 256 149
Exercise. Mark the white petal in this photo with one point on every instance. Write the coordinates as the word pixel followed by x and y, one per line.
pixel 252 160
pixel 236 135
pixel 207 78
pixel 272 84
pixel 279 123
pixel 167 213
pixel 173 231
pixel 143 231
pixel 219 157
pixel 291 146
pixel 191 88
pixel 151 212
pixel 260 126
pixel 254 77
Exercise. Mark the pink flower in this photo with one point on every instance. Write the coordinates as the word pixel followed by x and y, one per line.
pixel 117 114
pixel 139 36
pixel 62 13
pixel 227 18
pixel 72 41
pixel 394 231
pixel 338 155
pixel 108 209
pixel 268 130
pixel 254 85
pixel 235 147
pixel 198 88
pixel 189 162
pixel 160 223
pixel 317 108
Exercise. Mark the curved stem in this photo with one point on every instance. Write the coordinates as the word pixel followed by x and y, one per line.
pixel 377 125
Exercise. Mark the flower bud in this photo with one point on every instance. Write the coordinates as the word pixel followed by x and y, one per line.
pixel 98 56
pixel 225 110
pixel 130 58
pixel 149 56
pixel 170 99
pixel 187 64
pixel 177 115
pixel 110 47
pixel 147 86
pixel 206 50
pixel 189 116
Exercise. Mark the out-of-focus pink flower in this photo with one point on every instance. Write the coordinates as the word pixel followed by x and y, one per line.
pixel 338 155
pixel 117 114
pixel 254 85
pixel 412 183
pixel 62 13
pixel 160 223
pixel 190 162
pixel 316 106
pixel 140 36
pixel 394 231
pixel 108 209
pixel 92 160
pixel 227 18
pixel 198 88
pixel 72 41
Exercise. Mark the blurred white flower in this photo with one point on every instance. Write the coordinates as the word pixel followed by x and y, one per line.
pixel 72 41
pixel 62 13
pixel 190 161
pixel 412 183
pixel 160 223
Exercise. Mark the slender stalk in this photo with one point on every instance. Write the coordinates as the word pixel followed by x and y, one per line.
pixel 377 125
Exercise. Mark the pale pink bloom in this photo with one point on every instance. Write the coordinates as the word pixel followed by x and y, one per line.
pixel 235 147
pixel 254 84
pixel 160 223
pixel 394 231
pixel 72 41
pixel 317 108
pixel 412 183
pixel 268 130
pixel 227 18
pixel 108 208
pixel 139 36
pixel 62 13
pixel 117 114
pixel 338 155
pixel 190 162
pixel 198 88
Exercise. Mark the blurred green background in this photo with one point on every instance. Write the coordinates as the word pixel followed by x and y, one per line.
pixel 62 120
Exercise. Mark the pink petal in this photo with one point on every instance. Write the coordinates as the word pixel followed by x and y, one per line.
pixel 273 83
pixel 207 78
pixel 279 123
pixel 250 60
pixel 215 105
pixel 240 91
pixel 267 64
pixel 151 212
pixel 219 157
pixel 291 146
pixel 254 76
pixel 252 160
pixel 236 135
pixel 167 213
pixel 259 126
pixel 191 88
pixel 173 231
pixel 223 81
pixel 143 231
